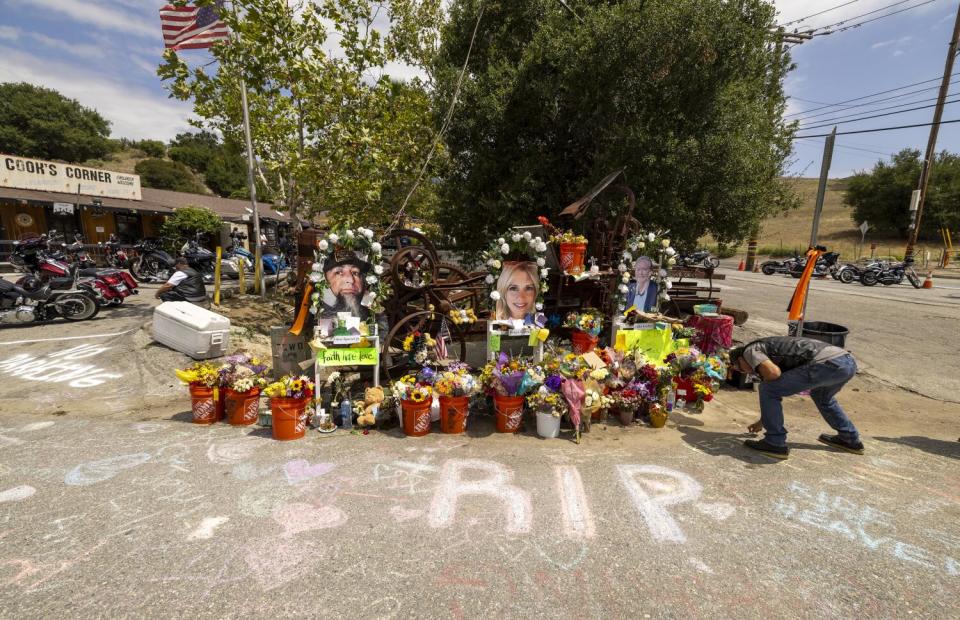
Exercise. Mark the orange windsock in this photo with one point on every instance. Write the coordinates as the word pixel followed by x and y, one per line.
pixel 800 293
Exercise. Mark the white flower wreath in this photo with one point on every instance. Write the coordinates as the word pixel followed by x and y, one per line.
pixel 360 241
pixel 655 246
pixel 524 244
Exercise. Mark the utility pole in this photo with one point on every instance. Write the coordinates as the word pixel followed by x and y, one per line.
pixel 927 167
pixel 782 37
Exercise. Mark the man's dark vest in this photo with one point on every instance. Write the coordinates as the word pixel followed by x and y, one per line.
pixel 789 353
pixel 192 287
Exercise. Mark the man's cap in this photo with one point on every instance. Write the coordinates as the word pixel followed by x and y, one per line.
pixel 344 256
pixel 735 354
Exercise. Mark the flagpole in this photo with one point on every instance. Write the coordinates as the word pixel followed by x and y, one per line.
pixel 258 265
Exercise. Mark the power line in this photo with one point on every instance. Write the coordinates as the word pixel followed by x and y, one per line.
pixel 833 8
pixel 855 115
pixel 867 21
pixel 814 142
pixel 882 92
pixel 857 120
pixel 874 102
pixel 849 133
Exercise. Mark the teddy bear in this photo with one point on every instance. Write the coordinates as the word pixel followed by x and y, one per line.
pixel 372 397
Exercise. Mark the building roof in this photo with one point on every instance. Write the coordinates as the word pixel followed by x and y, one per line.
pixel 156 201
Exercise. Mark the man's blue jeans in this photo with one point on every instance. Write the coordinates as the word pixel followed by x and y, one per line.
pixel 823 380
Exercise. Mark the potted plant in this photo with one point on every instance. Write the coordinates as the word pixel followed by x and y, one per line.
pixel 204 383
pixel 586 328
pixel 550 406
pixel 508 381
pixel 572 247
pixel 455 386
pixel 416 398
pixel 242 378
pixel 289 397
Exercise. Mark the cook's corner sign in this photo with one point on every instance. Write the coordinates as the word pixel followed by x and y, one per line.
pixel 48 176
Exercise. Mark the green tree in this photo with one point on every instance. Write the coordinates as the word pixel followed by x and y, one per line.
pixel 681 93
pixel 331 132
pixel 163 174
pixel 222 164
pixel 153 148
pixel 882 196
pixel 194 149
pixel 42 123
pixel 185 223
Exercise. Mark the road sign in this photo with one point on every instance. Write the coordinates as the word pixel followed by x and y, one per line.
pixel 864 227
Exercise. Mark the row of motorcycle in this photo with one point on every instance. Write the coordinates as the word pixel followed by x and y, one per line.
pixel 870 273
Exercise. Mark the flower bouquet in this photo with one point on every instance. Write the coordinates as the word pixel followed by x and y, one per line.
pixel 572 247
pixel 415 393
pixel 586 329
pixel 242 377
pixel 420 347
pixel 455 386
pixel 203 380
pixel 508 381
pixel 288 402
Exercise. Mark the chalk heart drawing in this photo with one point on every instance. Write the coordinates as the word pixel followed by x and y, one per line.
pixel 297 517
pixel 36 426
pixel 301 470
pixel 719 510
pixel 230 452
pixel 402 514
pixel 97 471
pixel 17 493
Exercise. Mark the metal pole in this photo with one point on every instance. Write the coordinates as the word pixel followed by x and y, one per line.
pixel 253 188
pixel 815 229
pixel 932 141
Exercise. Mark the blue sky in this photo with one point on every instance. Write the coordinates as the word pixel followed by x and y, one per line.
pixel 104 54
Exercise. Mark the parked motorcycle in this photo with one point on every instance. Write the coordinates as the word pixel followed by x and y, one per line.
pixel 826 265
pixel 114 254
pixel 851 271
pixel 698 257
pixel 152 263
pixel 34 301
pixel 771 267
pixel 76 254
pixel 272 263
pixel 892 274
pixel 200 259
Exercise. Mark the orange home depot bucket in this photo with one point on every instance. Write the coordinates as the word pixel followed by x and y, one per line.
pixel 202 404
pixel 416 417
pixel 453 414
pixel 583 342
pixel 289 417
pixel 572 256
pixel 509 412
pixel 241 407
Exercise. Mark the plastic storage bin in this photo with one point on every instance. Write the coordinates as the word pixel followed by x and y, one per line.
pixel 190 329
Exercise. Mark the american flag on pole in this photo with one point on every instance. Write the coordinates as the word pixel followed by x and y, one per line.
pixel 191 27
pixel 442 340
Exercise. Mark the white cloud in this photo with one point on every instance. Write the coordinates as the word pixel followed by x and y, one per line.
pixel 900 41
pixel 790 10
pixel 95 14
pixel 9 33
pixel 133 113
pixel 73 49
pixel 146 65
pixel 898 53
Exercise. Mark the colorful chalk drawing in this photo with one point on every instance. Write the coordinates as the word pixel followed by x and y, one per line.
pixel 60 367
pixel 97 471
pixel 577 520
pixel 301 470
pixel 496 485
pixel 861 524
pixel 17 494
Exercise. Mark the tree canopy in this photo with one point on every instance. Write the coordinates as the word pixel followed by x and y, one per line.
pixel 222 164
pixel 163 174
pixel 882 196
pixel 686 95
pixel 42 123
pixel 185 223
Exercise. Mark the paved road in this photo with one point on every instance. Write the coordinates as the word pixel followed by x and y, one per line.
pixel 904 336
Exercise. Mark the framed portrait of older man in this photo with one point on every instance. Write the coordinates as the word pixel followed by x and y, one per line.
pixel 346 291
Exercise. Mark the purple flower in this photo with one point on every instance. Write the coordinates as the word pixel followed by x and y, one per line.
pixel 553 383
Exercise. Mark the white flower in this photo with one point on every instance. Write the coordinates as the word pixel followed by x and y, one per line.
pixel 517 237
pixel 665 243
pixel 622 267
pixel 666 298
pixel 626 277
pixel 672 261
pixel 633 246
pixel 641 245
pixel 627 256
pixel 544 273
pixel 663 273
pixel 496 264
pixel 537 240
pixel 495 296
pixel 541 262
pixel 378 269
pixel 315 267
pixel 539 306
pixel 488 279
pixel 315 277
pixel 501 240
pixel 350 234
pixel 505 249
pixel 368 233
pixel 671 251
pixel 624 288
pixel 371 279
pixel 376 247
pixel 323 244
pixel 527 235
pixel 594 269
pixel 668 285
pixel 651 237
pixel 542 247
pixel 333 238
pixel 491 262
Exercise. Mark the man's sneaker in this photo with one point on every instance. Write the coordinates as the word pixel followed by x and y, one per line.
pixel 761 445
pixel 843 444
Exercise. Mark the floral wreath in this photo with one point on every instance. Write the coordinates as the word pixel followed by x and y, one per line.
pixel 360 241
pixel 534 248
pixel 657 247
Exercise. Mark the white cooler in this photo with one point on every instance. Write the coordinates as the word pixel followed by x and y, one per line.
pixel 190 329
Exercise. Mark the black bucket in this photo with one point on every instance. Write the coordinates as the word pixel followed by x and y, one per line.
pixel 824 332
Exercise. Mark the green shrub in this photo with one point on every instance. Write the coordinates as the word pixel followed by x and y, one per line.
pixel 162 174
pixel 153 148
pixel 185 223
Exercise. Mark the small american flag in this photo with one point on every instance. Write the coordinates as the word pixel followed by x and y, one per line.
pixel 442 340
pixel 190 27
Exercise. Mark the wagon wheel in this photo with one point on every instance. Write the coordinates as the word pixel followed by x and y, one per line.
pixel 447 295
pixel 395 360
pixel 413 268
pixel 393 240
